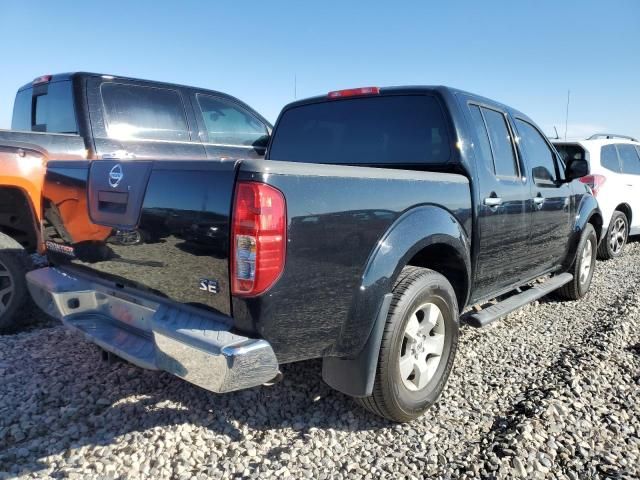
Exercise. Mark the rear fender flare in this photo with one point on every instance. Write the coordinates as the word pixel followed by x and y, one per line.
pixel 350 368
pixel 586 211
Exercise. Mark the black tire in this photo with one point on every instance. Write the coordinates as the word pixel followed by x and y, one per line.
pixel 391 398
pixel 607 249
pixel 14 263
pixel 579 286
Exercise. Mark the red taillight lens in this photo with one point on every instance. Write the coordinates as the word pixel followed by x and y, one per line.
pixel 258 238
pixel 41 79
pixel 352 92
pixel 595 182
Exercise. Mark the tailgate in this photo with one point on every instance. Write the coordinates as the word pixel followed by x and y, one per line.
pixel 158 226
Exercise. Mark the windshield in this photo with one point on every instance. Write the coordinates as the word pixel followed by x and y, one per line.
pixel 381 130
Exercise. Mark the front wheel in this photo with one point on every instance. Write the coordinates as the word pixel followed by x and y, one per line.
pixel 583 266
pixel 418 346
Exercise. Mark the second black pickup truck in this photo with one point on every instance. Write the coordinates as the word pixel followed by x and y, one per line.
pixel 378 217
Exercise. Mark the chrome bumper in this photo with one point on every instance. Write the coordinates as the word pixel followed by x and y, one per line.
pixel 190 344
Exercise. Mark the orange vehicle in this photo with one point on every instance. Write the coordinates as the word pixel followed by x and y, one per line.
pixel 88 116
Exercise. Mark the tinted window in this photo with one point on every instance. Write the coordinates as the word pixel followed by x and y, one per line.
pixel 629 158
pixel 379 130
pixel 503 155
pixel 569 153
pixel 484 147
pixel 144 113
pixel 54 110
pixel 22 111
pixel 229 124
pixel 537 152
pixel 609 158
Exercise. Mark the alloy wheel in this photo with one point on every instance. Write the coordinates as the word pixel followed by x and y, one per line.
pixel 422 347
pixel 618 236
pixel 585 262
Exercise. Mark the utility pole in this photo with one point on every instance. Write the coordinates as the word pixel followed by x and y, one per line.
pixel 566 117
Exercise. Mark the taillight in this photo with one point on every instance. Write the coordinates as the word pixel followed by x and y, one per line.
pixel 41 79
pixel 595 182
pixel 353 92
pixel 258 238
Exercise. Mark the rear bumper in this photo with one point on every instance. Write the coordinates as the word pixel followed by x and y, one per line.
pixel 193 345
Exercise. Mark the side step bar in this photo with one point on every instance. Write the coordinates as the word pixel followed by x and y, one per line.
pixel 490 314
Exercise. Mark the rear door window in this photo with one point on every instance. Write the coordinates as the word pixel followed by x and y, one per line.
pixel 50 110
pixel 629 159
pixel 480 128
pixel 380 130
pixel 609 158
pixel 504 157
pixel 229 124
pixel 146 113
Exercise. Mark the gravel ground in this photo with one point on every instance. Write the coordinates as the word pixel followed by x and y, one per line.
pixel 553 391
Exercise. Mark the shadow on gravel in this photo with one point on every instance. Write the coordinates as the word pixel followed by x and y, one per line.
pixel 60 395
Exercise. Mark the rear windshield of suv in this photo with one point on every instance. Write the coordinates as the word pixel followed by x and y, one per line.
pixel 385 130
pixel 570 152
pixel 50 111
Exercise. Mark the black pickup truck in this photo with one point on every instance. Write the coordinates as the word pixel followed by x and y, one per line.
pixel 377 219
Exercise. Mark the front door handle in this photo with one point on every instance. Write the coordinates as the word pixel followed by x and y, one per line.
pixel 538 201
pixel 492 201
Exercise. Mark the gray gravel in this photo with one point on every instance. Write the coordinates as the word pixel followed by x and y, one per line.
pixel 553 391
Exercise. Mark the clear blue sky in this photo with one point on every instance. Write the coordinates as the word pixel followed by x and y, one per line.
pixel 523 53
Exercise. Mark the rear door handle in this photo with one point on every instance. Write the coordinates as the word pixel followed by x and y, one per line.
pixel 492 201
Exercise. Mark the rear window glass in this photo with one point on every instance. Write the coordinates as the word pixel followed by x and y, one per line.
pixel 137 112
pixel 385 130
pixel 22 111
pixel 609 158
pixel 569 153
pixel 52 111
pixel 630 160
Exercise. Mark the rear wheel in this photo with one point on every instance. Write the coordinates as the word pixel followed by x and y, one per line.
pixel 13 288
pixel 616 238
pixel 418 346
pixel 583 266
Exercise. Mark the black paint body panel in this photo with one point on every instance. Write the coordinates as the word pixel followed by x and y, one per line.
pixel 173 253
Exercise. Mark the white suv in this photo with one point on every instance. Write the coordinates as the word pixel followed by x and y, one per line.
pixel 614 162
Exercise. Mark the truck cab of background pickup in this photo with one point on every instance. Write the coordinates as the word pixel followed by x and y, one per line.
pixel 75 116
pixel 378 218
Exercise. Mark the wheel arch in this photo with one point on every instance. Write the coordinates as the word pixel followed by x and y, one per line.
pixel 17 217
pixel 415 238
pixel 626 209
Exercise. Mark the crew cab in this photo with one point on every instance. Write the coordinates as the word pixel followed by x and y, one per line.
pixel 378 217
pixel 91 116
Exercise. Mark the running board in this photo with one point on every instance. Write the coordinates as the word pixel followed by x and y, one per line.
pixel 490 314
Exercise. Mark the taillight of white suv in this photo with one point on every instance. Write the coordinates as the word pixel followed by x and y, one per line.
pixel 595 182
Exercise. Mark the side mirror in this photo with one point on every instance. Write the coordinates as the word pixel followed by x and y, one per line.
pixel 577 169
